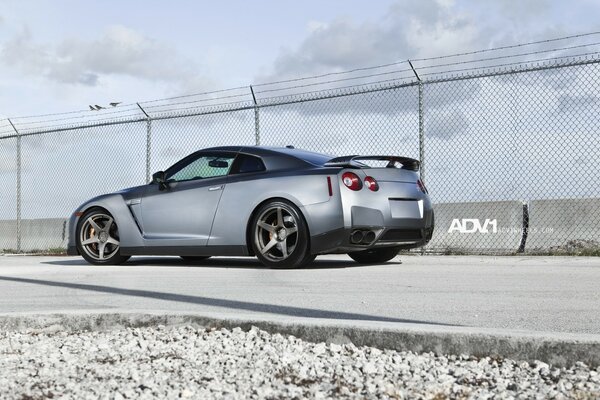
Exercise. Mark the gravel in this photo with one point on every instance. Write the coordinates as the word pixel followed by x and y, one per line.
pixel 191 362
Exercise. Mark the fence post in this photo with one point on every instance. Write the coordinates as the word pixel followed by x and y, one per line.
pixel 148 142
pixel 256 119
pixel 421 124
pixel 421 133
pixel 18 186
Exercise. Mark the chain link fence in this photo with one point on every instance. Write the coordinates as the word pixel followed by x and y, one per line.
pixel 510 157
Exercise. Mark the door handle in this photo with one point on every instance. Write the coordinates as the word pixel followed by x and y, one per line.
pixel 213 188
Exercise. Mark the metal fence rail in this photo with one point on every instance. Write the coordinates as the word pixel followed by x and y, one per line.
pixel 510 154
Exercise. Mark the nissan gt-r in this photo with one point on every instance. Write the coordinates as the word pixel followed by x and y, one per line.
pixel 283 205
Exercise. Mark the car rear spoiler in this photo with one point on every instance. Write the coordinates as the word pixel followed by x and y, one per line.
pixel 353 162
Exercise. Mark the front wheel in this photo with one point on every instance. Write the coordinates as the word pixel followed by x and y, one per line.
pixel 280 236
pixel 98 239
pixel 374 256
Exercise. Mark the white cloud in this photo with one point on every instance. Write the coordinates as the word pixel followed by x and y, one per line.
pixel 569 102
pixel 519 10
pixel 408 29
pixel 446 124
pixel 8 158
pixel 120 51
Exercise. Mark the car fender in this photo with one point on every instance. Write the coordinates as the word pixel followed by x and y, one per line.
pixel 116 205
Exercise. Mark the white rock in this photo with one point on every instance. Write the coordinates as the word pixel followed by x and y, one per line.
pixel 369 368
pixel 319 349
pixel 335 348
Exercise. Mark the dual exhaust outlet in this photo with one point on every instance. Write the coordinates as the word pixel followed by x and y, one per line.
pixel 359 236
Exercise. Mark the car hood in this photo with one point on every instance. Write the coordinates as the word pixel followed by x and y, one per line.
pixel 126 194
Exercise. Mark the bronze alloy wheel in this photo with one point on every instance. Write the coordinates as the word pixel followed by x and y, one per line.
pixel 280 237
pixel 98 238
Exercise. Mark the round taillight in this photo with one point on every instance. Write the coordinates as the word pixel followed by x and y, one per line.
pixel 351 181
pixel 371 183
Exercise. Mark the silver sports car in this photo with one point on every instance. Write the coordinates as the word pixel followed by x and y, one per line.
pixel 282 205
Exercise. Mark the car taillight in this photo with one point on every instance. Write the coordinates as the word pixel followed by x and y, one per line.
pixel 371 183
pixel 351 181
pixel 421 186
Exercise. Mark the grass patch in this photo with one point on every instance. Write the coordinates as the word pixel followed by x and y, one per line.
pixel 579 247
pixel 52 251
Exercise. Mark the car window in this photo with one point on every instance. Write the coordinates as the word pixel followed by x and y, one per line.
pixel 245 163
pixel 205 166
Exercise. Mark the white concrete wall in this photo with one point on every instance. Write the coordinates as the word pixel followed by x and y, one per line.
pixel 507 238
pixel 551 223
pixel 36 234
pixel 8 234
pixel 555 222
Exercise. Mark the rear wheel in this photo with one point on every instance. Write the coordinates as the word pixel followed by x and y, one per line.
pixel 374 256
pixel 280 236
pixel 98 238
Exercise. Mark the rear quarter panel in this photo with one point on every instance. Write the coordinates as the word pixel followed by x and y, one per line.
pixel 308 190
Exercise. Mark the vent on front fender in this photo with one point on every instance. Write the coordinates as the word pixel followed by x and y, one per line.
pixel 401 235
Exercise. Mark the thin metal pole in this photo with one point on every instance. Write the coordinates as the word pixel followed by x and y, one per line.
pixel 18 186
pixel 421 133
pixel 421 124
pixel 256 119
pixel 148 148
pixel 148 142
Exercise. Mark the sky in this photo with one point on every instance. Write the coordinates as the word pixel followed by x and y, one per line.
pixel 65 54
pixel 488 139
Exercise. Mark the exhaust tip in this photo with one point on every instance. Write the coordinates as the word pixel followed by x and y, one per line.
pixel 368 237
pixel 356 237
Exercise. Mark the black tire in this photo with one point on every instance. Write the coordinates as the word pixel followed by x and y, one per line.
pixel 374 256
pixel 194 259
pixel 272 231
pixel 98 238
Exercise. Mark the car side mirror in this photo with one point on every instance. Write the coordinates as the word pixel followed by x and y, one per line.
pixel 160 179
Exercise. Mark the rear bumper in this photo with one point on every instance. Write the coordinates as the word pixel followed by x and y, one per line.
pixel 405 234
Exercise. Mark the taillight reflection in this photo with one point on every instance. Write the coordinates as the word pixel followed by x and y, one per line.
pixel 351 180
pixel 371 183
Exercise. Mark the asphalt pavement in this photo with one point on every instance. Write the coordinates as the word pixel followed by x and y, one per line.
pixel 528 294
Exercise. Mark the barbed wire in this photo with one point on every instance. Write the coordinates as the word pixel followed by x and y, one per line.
pixel 100 113
pixel 197 99
pixel 207 106
pixel 49 114
pixel 334 81
pixel 193 94
pixel 511 64
pixel 350 87
pixel 335 73
pixel 424 59
pixel 508 47
pixel 84 124
pixel 510 56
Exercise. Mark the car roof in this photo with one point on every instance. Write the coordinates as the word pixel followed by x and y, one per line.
pixel 312 158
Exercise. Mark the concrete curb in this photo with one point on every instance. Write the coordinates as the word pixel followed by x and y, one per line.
pixel 561 350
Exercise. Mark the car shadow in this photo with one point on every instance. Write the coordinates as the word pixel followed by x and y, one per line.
pixel 266 308
pixel 219 262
